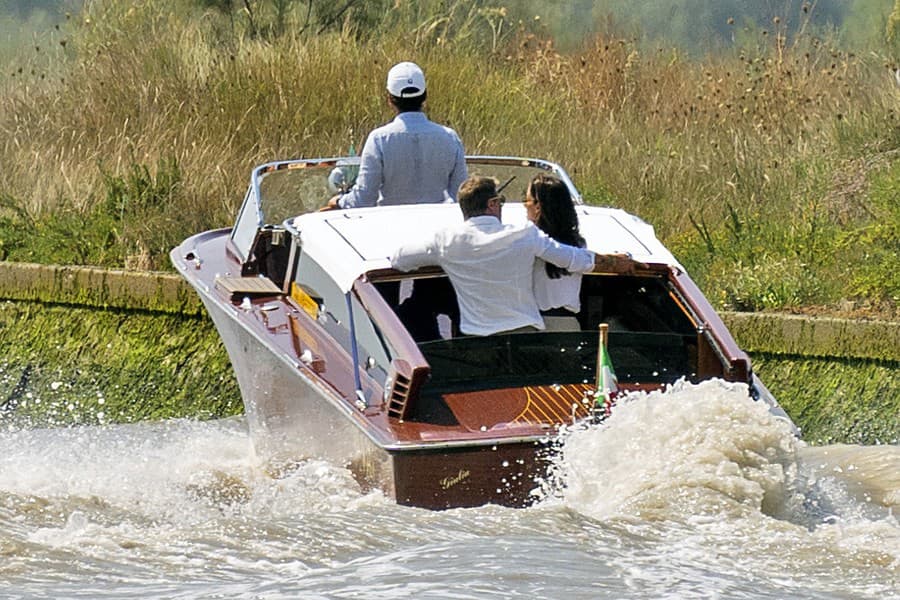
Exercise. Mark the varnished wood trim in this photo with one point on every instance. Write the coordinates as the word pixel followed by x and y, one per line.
pixel 737 367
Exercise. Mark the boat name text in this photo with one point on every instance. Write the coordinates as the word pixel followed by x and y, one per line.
pixel 450 481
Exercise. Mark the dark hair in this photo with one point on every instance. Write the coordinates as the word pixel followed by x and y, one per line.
pixel 408 104
pixel 474 195
pixel 558 218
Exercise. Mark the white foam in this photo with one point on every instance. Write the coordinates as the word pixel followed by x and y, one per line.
pixel 728 484
pixel 706 444
pixel 176 471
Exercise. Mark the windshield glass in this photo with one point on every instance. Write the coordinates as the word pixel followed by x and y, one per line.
pixel 514 176
pixel 291 188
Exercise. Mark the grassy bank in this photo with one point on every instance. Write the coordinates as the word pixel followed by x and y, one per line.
pixel 770 167
pixel 846 400
pixel 63 365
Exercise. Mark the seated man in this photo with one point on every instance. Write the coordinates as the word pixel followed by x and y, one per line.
pixel 491 264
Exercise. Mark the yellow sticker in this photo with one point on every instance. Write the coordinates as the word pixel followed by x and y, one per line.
pixel 304 300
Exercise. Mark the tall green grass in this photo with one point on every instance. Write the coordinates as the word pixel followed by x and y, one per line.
pixel 770 169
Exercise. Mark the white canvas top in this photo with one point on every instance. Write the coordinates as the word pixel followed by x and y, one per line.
pixel 348 243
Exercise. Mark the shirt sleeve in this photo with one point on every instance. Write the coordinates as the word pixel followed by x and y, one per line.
pixel 460 171
pixel 571 258
pixel 414 255
pixel 368 182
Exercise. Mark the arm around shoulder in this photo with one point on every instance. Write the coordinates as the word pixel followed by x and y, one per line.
pixel 616 263
pixel 571 258
pixel 414 255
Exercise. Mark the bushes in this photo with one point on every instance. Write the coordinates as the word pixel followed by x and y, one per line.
pixel 872 248
pixel 130 227
pixel 762 167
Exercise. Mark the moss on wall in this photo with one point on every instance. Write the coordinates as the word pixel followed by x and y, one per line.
pixel 98 288
pixel 846 400
pixel 820 336
pixel 63 364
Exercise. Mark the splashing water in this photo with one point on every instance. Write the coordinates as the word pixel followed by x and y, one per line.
pixel 731 488
pixel 691 448
pixel 695 492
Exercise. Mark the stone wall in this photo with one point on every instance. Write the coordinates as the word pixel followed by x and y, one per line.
pixel 93 345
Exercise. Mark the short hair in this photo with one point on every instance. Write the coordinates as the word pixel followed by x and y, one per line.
pixel 408 104
pixel 474 195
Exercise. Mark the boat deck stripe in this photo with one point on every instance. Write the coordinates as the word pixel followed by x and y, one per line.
pixel 531 405
pixel 553 404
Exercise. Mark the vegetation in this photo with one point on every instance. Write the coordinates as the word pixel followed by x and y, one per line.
pixel 110 366
pixel 768 164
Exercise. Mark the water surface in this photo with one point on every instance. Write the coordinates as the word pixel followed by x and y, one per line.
pixel 692 493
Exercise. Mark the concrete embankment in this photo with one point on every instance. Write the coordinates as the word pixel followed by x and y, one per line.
pixel 839 379
pixel 82 345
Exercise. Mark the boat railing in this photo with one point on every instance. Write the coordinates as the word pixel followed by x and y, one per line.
pixel 408 369
pixel 734 362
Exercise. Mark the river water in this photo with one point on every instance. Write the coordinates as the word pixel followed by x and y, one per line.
pixel 692 493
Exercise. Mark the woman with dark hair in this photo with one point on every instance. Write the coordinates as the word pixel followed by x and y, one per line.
pixel 549 205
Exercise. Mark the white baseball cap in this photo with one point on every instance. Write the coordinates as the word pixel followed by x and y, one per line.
pixel 406 80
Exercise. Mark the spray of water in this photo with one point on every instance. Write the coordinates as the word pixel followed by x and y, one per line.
pixel 693 447
pixel 723 482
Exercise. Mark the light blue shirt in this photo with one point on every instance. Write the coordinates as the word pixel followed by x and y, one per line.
pixel 490 265
pixel 411 160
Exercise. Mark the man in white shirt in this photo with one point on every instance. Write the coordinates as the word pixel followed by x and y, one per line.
pixel 490 264
pixel 410 160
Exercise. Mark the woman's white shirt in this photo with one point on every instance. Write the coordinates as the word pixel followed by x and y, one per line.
pixel 556 293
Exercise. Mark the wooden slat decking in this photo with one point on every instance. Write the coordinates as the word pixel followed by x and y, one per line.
pixel 531 405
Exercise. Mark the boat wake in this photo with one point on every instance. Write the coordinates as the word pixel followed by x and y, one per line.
pixel 724 480
pixel 692 492
pixel 179 471
pixel 692 447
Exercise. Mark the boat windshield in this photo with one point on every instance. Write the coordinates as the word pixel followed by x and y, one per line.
pixel 547 358
pixel 282 190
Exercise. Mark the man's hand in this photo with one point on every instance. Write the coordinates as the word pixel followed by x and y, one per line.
pixel 332 203
pixel 617 263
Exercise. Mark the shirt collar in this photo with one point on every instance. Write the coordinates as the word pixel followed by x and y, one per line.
pixel 484 221
pixel 411 116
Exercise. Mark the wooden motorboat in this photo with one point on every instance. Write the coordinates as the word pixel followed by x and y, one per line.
pixel 329 368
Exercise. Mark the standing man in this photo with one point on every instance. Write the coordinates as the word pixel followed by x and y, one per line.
pixel 411 159
pixel 491 264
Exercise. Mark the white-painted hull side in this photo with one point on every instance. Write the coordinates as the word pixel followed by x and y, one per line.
pixel 290 416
